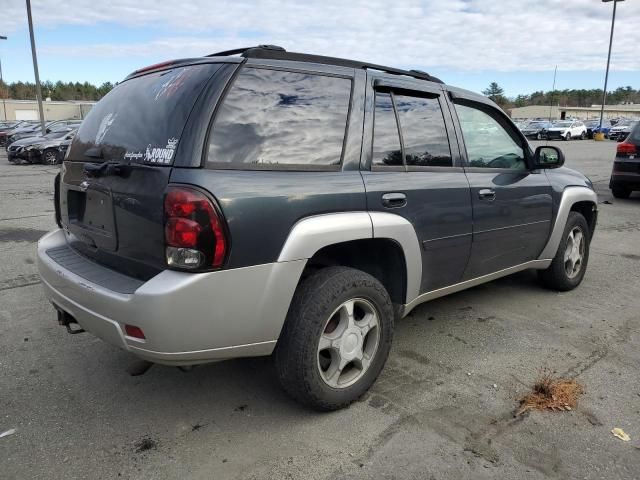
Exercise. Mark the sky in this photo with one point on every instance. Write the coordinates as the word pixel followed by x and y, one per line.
pixel 467 43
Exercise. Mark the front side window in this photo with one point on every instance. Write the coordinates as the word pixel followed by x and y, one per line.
pixel 488 143
pixel 423 132
pixel 274 118
pixel 386 139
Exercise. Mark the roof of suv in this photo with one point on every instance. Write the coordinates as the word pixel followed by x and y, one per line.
pixel 274 52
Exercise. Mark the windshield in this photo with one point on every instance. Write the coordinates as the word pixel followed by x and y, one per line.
pixel 142 119
pixel 562 124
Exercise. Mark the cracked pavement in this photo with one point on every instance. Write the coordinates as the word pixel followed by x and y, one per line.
pixel 434 413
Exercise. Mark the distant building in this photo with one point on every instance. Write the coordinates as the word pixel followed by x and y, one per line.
pixel 583 113
pixel 53 110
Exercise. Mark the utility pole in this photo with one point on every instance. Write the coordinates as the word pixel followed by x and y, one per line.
pixel 4 102
pixel 35 68
pixel 606 75
pixel 555 71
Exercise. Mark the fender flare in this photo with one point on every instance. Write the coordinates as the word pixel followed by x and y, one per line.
pixel 570 196
pixel 311 234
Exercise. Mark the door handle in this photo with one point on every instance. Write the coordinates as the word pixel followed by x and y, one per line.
pixel 394 200
pixel 487 194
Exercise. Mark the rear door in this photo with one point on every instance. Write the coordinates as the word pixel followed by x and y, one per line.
pixel 117 168
pixel 512 204
pixel 410 168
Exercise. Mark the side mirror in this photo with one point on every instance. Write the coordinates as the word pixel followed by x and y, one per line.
pixel 548 157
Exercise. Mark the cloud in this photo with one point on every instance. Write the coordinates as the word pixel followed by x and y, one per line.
pixel 472 35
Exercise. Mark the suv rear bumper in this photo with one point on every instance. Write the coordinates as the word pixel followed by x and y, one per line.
pixel 187 318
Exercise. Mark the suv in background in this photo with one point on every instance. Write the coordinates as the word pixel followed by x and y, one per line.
pixel 297 205
pixel 622 130
pixel 566 130
pixel 625 176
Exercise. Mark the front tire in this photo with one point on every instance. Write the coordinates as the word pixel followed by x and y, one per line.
pixel 50 157
pixel 567 137
pixel 336 338
pixel 570 263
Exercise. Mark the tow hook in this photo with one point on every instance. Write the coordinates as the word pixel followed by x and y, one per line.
pixel 66 320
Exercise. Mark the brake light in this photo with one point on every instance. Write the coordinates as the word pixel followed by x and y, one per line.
pixel 195 237
pixel 154 66
pixel 626 148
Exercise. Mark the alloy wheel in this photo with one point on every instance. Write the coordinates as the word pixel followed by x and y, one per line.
pixel 50 157
pixel 348 343
pixel 574 252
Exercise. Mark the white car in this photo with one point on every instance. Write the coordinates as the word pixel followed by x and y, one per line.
pixel 567 129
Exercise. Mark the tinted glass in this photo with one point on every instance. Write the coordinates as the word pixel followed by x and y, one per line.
pixel 423 131
pixel 142 119
pixel 488 143
pixel 272 117
pixel 386 139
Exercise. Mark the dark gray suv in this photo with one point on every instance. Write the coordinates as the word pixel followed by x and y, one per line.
pixel 259 202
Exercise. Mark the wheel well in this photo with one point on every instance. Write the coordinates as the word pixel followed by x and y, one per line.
pixel 587 209
pixel 380 257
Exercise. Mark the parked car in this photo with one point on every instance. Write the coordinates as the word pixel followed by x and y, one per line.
pixel 40 149
pixel 9 128
pixel 54 126
pixel 566 130
pixel 593 127
pixel 622 130
pixel 536 129
pixel 625 176
pixel 299 219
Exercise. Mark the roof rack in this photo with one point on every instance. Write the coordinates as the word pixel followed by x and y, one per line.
pixel 274 52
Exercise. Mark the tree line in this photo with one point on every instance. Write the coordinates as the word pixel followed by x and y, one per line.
pixel 56 91
pixel 563 98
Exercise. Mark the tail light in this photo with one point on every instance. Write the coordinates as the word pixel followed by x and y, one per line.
pixel 626 148
pixel 194 232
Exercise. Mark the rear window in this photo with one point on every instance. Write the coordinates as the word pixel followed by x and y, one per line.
pixel 273 119
pixel 141 119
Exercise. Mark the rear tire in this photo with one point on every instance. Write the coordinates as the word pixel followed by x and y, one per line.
pixel 583 135
pixel 619 191
pixel 317 357
pixel 570 263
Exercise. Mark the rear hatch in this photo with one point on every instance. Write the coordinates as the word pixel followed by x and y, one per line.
pixel 118 166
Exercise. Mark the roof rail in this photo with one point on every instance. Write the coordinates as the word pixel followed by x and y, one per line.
pixel 274 52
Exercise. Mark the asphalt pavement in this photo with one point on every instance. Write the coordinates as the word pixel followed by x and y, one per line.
pixel 441 409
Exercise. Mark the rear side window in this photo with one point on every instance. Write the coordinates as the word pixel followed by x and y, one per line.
pixel 386 139
pixel 142 119
pixel 274 119
pixel 424 134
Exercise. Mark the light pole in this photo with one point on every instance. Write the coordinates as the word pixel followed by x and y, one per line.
pixel 35 68
pixel 4 105
pixel 606 75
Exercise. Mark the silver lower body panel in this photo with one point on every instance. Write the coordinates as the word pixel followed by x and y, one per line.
pixel 187 318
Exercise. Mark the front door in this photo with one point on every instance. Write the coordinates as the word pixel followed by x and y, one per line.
pixel 415 173
pixel 512 204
